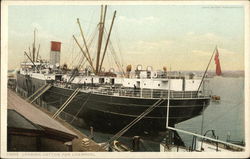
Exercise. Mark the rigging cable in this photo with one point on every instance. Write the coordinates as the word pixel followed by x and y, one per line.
pixel 84 103
pixel 113 53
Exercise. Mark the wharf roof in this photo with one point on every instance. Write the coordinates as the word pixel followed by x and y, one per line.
pixel 16 120
pixel 35 115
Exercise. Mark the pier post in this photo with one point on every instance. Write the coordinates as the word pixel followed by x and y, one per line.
pixel 169 137
pixel 91 132
pixel 228 136
pixel 202 120
pixel 217 144
pixel 69 146
pixel 136 143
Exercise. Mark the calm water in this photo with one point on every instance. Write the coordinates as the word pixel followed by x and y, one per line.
pixel 224 117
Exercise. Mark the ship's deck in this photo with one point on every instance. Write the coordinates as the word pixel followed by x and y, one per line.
pixel 140 93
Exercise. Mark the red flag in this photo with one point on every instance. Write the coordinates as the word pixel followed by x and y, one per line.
pixel 217 62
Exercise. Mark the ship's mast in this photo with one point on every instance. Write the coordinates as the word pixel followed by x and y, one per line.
pixel 99 58
pixel 105 49
pixel 37 54
pixel 34 47
pixel 34 55
pixel 100 37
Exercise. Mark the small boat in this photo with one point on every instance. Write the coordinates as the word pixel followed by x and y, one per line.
pixel 215 98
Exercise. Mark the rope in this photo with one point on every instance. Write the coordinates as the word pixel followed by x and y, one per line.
pixel 39 89
pixel 113 53
pixel 118 44
pixel 116 59
pixel 65 104
pixel 121 132
pixel 43 91
pixel 82 60
pixel 81 107
pixel 73 50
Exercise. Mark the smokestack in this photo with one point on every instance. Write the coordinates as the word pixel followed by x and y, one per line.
pixel 55 52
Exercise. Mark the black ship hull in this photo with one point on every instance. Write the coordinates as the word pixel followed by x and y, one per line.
pixel 110 114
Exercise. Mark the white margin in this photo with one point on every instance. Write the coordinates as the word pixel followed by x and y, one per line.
pixel 4 59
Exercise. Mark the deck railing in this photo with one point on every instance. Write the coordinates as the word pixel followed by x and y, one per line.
pixel 151 93
pixel 139 93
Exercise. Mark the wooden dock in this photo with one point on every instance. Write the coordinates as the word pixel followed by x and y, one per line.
pixel 43 117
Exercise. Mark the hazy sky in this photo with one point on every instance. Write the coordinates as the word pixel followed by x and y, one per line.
pixel 163 35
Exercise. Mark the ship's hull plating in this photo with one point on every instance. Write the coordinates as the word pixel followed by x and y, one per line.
pixel 112 113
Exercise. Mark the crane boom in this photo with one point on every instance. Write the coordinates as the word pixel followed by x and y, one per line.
pixel 31 60
pixel 85 43
pixel 85 55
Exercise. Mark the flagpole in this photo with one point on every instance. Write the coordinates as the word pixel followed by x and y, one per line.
pixel 206 69
pixel 167 120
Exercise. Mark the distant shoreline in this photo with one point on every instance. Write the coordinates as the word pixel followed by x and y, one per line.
pixel 200 73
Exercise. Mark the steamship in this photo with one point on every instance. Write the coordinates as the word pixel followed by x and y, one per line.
pixel 108 101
